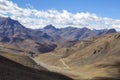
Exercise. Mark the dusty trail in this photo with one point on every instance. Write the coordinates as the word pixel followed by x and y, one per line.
pixel 63 62
pixel 66 71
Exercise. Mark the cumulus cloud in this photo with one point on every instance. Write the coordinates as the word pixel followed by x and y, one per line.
pixel 33 18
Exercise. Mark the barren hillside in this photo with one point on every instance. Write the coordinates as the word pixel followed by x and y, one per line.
pixel 98 57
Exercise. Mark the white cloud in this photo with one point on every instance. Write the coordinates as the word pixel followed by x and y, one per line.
pixel 33 18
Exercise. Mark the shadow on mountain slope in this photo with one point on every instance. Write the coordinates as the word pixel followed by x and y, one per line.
pixel 10 70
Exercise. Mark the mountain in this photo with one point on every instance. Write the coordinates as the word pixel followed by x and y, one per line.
pixel 50 27
pixel 44 40
pixel 75 34
pixel 18 46
pixel 97 58
pixel 10 28
pixel 52 31
pixel 80 53
pixel 17 56
pixel 16 35
pixel 111 31
pixel 10 70
pixel 104 31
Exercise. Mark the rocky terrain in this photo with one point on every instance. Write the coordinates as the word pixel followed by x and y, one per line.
pixel 94 59
pixel 75 34
pixel 45 54
pixel 10 70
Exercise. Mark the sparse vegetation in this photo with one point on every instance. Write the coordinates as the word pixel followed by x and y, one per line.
pixel 96 59
pixel 10 70
pixel 67 51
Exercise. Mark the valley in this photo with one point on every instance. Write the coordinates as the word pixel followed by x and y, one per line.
pixel 97 60
pixel 58 53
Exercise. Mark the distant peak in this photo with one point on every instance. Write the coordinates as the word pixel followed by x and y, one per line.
pixel 5 18
pixel 50 26
pixel 8 19
pixel 8 23
pixel 84 28
pixel 111 31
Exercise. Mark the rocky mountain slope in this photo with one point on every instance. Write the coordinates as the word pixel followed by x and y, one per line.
pixel 10 70
pixel 75 34
pixel 96 59
pixel 43 40
pixel 12 30
pixel 80 53
pixel 13 34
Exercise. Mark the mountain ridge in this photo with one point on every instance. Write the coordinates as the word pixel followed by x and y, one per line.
pixel 12 28
pixel 80 53
pixel 93 59
pixel 75 34
pixel 14 33
pixel 10 70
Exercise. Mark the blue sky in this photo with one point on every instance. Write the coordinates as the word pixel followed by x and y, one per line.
pixel 94 14
pixel 103 8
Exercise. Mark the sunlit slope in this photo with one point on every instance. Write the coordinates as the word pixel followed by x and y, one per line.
pixel 98 57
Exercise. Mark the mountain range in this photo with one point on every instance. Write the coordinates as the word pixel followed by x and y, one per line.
pixel 95 59
pixel 13 30
pixel 50 53
pixel 46 39
pixel 75 34
pixel 10 70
